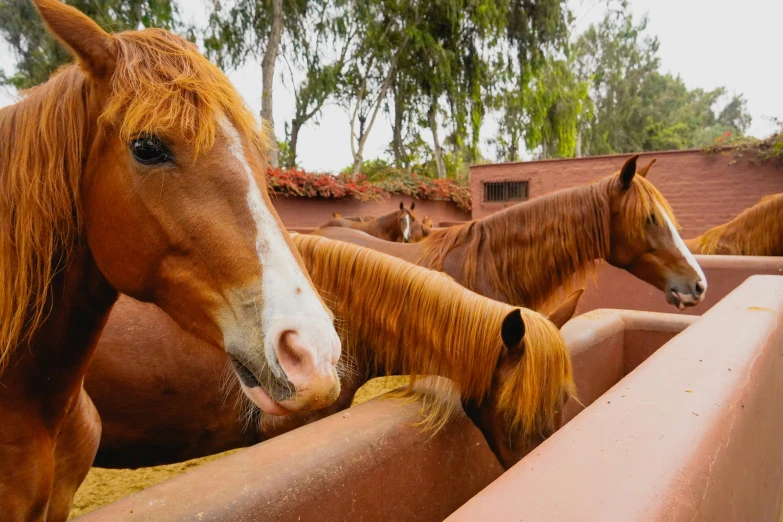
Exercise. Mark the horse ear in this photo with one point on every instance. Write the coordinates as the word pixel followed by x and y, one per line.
pixel 513 330
pixel 402 205
pixel 413 205
pixel 89 44
pixel 644 170
pixel 566 310
pixel 628 171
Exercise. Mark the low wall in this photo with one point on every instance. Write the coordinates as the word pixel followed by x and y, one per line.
pixel 370 462
pixel 366 463
pixel 615 288
pixel 704 190
pixel 303 213
pixel 692 434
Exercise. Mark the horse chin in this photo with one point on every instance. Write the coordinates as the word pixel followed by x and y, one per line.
pixel 680 300
pixel 263 400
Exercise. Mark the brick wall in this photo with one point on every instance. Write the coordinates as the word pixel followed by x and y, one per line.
pixel 704 190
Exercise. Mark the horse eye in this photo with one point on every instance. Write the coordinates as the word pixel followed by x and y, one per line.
pixel 651 219
pixel 149 150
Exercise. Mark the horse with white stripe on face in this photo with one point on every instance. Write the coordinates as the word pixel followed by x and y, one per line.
pixel 400 226
pixel 525 254
pixel 137 170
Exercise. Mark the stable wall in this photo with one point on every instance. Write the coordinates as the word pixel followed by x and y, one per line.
pixel 371 462
pixel 308 213
pixel 704 190
pixel 692 434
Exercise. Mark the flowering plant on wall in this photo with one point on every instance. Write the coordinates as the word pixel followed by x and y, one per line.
pixel 299 183
pixel 769 149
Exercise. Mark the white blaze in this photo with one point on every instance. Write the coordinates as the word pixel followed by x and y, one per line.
pixel 406 233
pixel 289 300
pixel 680 244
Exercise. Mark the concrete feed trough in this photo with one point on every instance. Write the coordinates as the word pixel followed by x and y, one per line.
pixel 371 462
pixel 694 433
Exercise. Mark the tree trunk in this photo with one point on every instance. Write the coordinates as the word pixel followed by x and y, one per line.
pixel 268 73
pixel 433 117
pixel 292 142
pixel 399 112
pixel 358 156
pixel 579 143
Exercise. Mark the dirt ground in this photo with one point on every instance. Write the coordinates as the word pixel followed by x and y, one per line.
pixel 103 486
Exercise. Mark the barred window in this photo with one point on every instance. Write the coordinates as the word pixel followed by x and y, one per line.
pixel 501 191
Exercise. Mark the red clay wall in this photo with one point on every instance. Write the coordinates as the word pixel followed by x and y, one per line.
pixel 704 190
pixel 302 213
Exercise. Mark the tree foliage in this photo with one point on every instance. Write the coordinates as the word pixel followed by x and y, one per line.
pixel 638 107
pixel 441 71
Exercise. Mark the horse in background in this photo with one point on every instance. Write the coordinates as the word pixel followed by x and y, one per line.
pixel 359 219
pixel 394 318
pixel 426 226
pixel 400 226
pixel 757 231
pixel 529 253
pixel 137 170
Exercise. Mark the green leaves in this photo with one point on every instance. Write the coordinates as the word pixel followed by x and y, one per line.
pixel 636 106
pixel 37 52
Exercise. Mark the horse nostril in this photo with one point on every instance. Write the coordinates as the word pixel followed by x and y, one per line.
pixel 699 288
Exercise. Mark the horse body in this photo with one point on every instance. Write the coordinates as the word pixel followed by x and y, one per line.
pixel 757 231
pixel 398 226
pixel 524 254
pixel 434 333
pixel 139 170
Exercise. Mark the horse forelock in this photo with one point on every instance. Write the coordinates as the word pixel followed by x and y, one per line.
pixel 161 84
pixel 757 231
pixel 640 201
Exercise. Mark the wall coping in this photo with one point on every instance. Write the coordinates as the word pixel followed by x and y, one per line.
pixel 583 158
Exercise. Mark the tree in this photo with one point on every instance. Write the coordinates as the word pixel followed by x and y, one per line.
pixel 38 54
pixel 638 108
pixel 387 27
pixel 327 27
pixel 246 29
pixel 456 54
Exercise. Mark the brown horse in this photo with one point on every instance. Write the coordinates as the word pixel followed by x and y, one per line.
pixel 158 401
pixel 524 254
pixel 426 226
pixel 360 219
pixel 757 231
pixel 398 226
pixel 138 170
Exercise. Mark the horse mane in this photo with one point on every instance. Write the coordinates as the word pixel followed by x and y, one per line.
pixel 161 85
pixel 419 322
pixel 757 231
pixel 520 244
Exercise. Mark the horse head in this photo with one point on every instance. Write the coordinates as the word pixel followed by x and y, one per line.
pixel 173 203
pixel 645 241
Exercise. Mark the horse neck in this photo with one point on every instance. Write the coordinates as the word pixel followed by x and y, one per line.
pixel 524 254
pixel 49 369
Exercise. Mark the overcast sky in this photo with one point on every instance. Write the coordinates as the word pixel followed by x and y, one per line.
pixel 709 43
